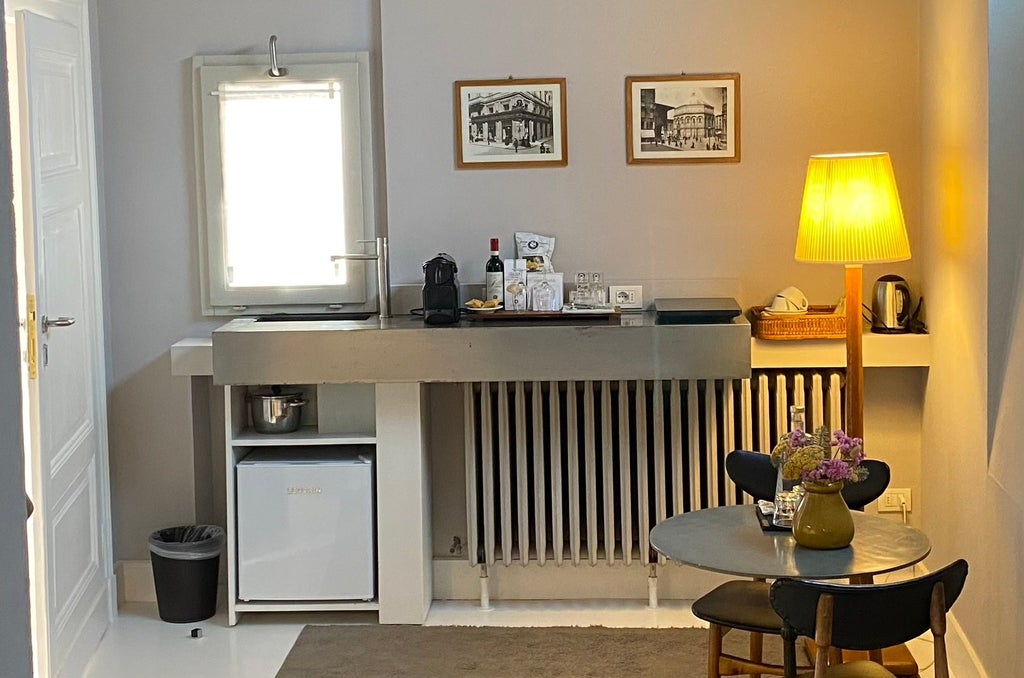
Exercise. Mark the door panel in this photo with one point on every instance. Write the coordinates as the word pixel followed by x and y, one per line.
pixel 67 409
pixel 74 602
pixel 55 93
pixel 74 534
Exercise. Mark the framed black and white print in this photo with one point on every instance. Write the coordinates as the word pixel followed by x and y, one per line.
pixel 673 119
pixel 510 123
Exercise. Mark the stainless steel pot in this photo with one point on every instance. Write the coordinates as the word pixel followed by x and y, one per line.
pixel 276 412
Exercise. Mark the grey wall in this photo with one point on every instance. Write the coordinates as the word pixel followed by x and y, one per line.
pixel 144 48
pixel 1006 200
pixel 815 77
pixel 16 647
pixel 825 77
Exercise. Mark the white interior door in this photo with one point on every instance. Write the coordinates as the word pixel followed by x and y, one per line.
pixel 74 581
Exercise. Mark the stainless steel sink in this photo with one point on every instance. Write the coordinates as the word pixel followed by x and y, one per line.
pixel 292 317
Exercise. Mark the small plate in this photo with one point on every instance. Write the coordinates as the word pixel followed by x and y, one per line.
pixel 484 310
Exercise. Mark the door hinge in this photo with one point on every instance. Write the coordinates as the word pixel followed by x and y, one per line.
pixel 33 338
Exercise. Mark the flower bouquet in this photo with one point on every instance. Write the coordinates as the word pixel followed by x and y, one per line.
pixel 820 457
pixel 823 462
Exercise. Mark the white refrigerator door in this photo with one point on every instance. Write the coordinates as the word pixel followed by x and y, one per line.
pixel 305 531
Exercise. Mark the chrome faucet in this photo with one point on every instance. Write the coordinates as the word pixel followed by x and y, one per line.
pixel 383 278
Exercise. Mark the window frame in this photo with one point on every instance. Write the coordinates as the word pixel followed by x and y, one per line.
pixel 359 292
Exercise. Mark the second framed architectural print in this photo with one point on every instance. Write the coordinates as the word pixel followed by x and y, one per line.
pixel 674 119
pixel 510 123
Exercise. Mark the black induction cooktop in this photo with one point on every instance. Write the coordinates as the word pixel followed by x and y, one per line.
pixel 695 310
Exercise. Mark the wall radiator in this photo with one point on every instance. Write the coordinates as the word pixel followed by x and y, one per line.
pixel 582 470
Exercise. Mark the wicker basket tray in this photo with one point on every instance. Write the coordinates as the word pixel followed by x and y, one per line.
pixel 820 322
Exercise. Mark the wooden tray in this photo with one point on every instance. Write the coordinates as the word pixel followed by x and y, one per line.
pixel 606 316
pixel 820 322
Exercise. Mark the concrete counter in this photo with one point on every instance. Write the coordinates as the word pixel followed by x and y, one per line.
pixel 403 350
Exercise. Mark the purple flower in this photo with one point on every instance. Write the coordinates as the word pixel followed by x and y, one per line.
pixel 844 442
pixel 820 457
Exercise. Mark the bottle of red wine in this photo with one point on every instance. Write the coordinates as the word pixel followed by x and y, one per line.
pixel 494 274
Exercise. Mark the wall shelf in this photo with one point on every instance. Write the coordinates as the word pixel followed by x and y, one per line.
pixel 306 435
pixel 880 350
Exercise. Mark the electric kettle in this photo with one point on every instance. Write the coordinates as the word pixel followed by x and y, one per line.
pixel 890 305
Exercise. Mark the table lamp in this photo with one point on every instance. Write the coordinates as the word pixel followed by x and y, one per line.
pixel 851 215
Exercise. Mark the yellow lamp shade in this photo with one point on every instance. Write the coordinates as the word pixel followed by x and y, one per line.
pixel 851 211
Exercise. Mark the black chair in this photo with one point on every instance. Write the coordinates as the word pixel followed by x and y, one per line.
pixel 754 474
pixel 745 604
pixel 866 617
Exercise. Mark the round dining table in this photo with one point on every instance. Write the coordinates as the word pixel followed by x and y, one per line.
pixel 729 539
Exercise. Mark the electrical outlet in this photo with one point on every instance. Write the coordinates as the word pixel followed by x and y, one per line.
pixel 627 297
pixel 892 500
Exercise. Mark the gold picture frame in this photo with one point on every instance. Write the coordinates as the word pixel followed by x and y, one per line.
pixel 680 119
pixel 510 124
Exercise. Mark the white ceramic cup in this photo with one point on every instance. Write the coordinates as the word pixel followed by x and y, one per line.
pixel 789 300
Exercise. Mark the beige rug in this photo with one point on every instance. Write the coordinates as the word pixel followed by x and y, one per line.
pixel 429 651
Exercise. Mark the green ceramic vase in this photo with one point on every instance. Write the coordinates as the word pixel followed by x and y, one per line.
pixel 823 519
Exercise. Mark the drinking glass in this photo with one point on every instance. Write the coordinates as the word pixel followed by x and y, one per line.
pixel 785 507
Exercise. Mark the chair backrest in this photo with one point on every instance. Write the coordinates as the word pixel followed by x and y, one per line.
pixel 754 474
pixel 859 495
pixel 867 617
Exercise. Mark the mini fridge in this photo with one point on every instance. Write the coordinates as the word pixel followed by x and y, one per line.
pixel 306 523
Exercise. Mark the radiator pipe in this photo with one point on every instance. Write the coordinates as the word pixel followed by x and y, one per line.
pixel 652 587
pixel 485 591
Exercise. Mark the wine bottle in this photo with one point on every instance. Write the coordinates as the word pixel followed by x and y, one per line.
pixel 494 274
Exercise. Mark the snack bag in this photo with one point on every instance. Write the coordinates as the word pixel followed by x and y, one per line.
pixel 537 250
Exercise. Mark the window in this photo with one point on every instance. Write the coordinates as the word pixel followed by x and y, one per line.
pixel 284 170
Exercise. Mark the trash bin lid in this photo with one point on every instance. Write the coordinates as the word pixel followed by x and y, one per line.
pixel 187 542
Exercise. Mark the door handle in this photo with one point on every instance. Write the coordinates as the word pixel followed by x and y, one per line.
pixel 62 321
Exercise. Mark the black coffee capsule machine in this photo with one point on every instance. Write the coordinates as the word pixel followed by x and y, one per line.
pixel 440 290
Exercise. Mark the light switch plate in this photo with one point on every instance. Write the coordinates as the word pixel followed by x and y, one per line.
pixel 627 297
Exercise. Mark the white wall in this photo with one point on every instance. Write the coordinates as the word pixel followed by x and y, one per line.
pixel 16 648
pixel 967 513
pixel 144 50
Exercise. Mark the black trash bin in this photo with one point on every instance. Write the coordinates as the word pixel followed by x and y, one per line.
pixel 186 561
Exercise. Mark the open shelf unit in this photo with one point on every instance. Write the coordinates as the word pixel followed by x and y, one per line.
pixel 335 415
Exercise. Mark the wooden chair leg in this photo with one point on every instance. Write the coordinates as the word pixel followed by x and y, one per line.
pixel 714 651
pixel 937 615
pixel 823 634
pixel 756 650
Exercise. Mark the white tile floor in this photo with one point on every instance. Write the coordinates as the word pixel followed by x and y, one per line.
pixel 139 644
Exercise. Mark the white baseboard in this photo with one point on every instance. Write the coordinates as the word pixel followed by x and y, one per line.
pixel 457 580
